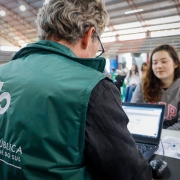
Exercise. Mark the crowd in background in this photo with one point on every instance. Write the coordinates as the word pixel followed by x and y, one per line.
pixel 156 82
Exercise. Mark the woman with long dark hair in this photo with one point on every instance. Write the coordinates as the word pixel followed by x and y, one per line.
pixel 132 79
pixel 162 84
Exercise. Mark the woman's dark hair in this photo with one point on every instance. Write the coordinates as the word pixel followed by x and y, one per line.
pixel 143 64
pixel 136 70
pixel 151 84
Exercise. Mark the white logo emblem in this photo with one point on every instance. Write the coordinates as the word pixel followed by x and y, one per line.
pixel 4 95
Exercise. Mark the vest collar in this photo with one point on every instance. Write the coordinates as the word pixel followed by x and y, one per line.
pixel 56 48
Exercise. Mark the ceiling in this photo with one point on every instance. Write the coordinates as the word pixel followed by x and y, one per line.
pixel 159 18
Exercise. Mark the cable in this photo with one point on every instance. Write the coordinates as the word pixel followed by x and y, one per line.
pixel 163 150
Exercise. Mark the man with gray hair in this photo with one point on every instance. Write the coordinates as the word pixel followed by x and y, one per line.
pixel 60 116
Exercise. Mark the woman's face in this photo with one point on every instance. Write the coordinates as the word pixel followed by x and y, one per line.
pixel 133 68
pixel 144 67
pixel 163 65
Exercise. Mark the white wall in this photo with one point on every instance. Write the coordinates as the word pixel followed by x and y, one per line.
pixel 129 59
pixel 107 67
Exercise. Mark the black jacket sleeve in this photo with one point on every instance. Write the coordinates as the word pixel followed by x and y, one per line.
pixel 110 150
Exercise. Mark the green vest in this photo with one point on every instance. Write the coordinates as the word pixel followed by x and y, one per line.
pixel 44 94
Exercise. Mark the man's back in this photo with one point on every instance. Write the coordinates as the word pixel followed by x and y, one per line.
pixel 43 129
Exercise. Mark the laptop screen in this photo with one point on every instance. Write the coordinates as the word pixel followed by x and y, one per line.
pixel 145 120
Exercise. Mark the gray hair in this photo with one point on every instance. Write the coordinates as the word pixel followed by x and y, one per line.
pixel 70 19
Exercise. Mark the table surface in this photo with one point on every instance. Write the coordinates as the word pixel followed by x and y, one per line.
pixel 173 170
pixel 171 133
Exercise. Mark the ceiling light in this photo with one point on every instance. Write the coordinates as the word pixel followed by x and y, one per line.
pixel 22 8
pixel 2 13
pixel 133 11
pixel 164 33
pixel 108 39
pixel 133 36
pixel 9 48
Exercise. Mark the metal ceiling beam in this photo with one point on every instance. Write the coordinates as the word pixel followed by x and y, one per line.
pixel 138 15
pixel 121 8
pixel 10 39
pixel 33 10
pixel 14 31
pixel 17 18
pixel 112 29
pixel 177 5
pixel 141 45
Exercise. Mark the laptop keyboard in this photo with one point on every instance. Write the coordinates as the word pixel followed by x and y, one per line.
pixel 144 148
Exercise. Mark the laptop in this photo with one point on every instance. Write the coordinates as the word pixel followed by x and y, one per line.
pixel 145 125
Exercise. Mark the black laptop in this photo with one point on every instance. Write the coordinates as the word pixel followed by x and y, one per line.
pixel 145 125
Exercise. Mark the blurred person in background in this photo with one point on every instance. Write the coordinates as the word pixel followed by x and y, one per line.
pixel 123 70
pixel 61 117
pixel 132 79
pixel 162 84
pixel 121 74
pixel 144 68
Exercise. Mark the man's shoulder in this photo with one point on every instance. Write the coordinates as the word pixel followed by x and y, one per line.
pixel 101 86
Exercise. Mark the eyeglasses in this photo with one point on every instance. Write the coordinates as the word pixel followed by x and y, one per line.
pixel 100 51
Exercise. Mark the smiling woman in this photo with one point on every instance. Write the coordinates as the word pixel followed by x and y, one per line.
pixel 164 70
pixel 164 67
pixel 162 84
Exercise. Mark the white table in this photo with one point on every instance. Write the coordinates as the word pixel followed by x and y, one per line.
pixel 172 133
pixel 172 172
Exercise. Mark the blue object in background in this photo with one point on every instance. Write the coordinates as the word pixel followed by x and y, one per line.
pixel 113 65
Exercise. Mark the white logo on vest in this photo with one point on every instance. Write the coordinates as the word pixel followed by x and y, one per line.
pixel 4 95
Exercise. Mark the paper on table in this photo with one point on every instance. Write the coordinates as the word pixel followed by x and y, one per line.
pixel 171 147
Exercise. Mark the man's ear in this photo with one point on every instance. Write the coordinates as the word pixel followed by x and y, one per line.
pixel 87 37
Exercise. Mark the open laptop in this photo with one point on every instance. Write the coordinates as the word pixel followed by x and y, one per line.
pixel 145 125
